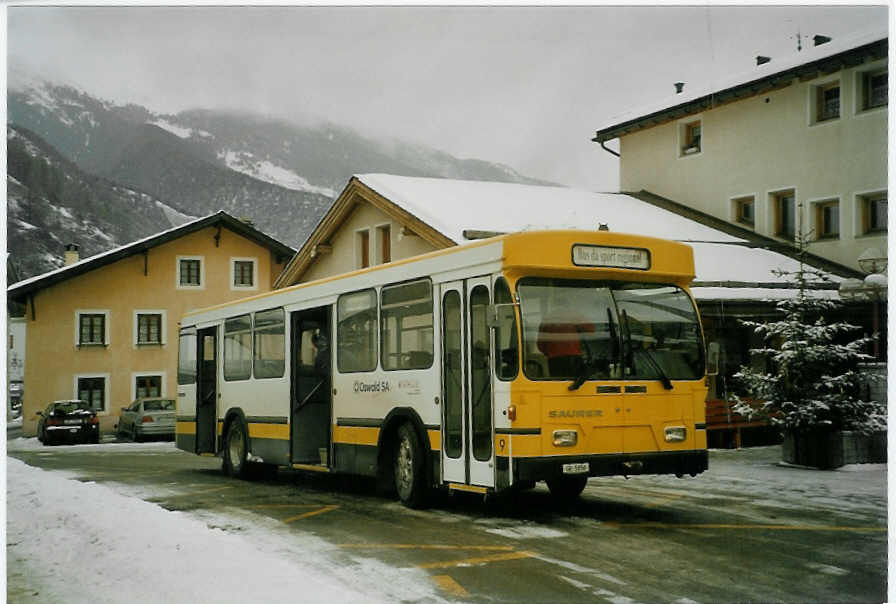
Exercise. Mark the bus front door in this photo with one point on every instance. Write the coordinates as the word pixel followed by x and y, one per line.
pixel 467 430
pixel 311 388
pixel 207 392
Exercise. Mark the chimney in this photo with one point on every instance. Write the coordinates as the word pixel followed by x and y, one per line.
pixel 679 86
pixel 761 60
pixel 602 226
pixel 819 40
pixel 71 253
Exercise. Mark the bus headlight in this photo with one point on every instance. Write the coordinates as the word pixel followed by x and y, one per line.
pixel 676 434
pixel 565 438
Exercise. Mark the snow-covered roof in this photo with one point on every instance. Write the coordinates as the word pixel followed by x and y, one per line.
pixel 778 65
pixel 453 206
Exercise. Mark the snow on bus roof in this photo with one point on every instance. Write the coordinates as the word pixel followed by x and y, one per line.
pixel 452 206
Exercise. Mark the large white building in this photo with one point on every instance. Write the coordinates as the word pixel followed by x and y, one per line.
pixel 797 145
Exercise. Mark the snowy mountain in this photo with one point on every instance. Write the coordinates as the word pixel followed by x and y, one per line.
pixel 281 175
pixel 51 202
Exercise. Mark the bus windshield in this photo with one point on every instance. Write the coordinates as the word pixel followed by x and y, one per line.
pixel 585 329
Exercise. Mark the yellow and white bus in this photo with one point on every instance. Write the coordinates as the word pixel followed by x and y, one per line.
pixel 551 355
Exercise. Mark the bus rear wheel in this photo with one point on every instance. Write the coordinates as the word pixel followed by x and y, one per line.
pixel 567 488
pixel 408 467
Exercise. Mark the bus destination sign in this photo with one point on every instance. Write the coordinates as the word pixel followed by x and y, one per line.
pixel 611 257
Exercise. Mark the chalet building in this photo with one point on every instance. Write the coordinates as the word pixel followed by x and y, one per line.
pixel 104 329
pixel 797 145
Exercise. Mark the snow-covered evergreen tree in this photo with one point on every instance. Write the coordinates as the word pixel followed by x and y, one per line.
pixel 813 381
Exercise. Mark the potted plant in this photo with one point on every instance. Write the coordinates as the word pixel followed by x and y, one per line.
pixel 812 383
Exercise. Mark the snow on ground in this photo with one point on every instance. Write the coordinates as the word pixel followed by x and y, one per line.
pixel 173 128
pixel 65 545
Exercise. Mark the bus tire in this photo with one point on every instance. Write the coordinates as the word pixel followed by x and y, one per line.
pixel 408 466
pixel 567 488
pixel 236 451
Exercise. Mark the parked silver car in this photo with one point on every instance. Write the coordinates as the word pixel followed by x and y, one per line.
pixel 147 417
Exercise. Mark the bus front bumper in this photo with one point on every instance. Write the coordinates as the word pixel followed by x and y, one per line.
pixel 621 464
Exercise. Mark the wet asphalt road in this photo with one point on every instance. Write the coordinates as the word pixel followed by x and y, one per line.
pixel 746 530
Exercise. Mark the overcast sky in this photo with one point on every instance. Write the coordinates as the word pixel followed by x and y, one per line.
pixel 525 86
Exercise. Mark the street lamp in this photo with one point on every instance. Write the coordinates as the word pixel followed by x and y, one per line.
pixel 873 288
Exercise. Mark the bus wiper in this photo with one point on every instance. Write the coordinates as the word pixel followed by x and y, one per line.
pixel 587 370
pixel 664 379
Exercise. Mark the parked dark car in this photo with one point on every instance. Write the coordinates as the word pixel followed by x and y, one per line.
pixel 147 417
pixel 68 422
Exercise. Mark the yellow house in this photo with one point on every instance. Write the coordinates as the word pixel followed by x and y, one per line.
pixel 796 145
pixel 104 329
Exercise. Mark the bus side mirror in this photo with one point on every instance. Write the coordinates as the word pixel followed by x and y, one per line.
pixel 712 358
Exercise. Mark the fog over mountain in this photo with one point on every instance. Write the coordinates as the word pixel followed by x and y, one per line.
pixel 283 176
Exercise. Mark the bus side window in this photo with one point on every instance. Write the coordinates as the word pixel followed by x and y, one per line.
pixel 506 343
pixel 356 332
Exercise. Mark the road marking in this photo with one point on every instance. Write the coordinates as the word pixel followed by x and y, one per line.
pixel 323 510
pixel 662 499
pixel 765 527
pixel 446 583
pixel 580 569
pixel 481 560
pixel 503 548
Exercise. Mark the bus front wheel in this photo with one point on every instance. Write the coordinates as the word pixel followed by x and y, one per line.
pixel 567 488
pixel 409 469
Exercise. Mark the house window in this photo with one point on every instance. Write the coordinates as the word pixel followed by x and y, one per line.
pixel 828 102
pixel 874 89
pixel 147 386
pixel 384 233
pixel 784 217
pixel 189 272
pixel 149 328
pixel 243 273
pixel 691 138
pixel 91 329
pixel 363 243
pixel 874 212
pixel 93 390
pixel 827 219
pixel 744 208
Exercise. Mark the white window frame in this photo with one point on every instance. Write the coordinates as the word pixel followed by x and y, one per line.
pixel 85 311
pixel 177 284
pixel 682 133
pixel 812 101
pixel 378 244
pixel 106 388
pixel 858 209
pixel 358 252
pixel 732 210
pixel 813 217
pixel 771 208
pixel 254 286
pixel 858 97
pixel 138 374
pixel 163 328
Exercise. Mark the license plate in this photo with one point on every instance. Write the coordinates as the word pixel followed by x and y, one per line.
pixel 576 468
pixel 72 421
pixel 73 430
